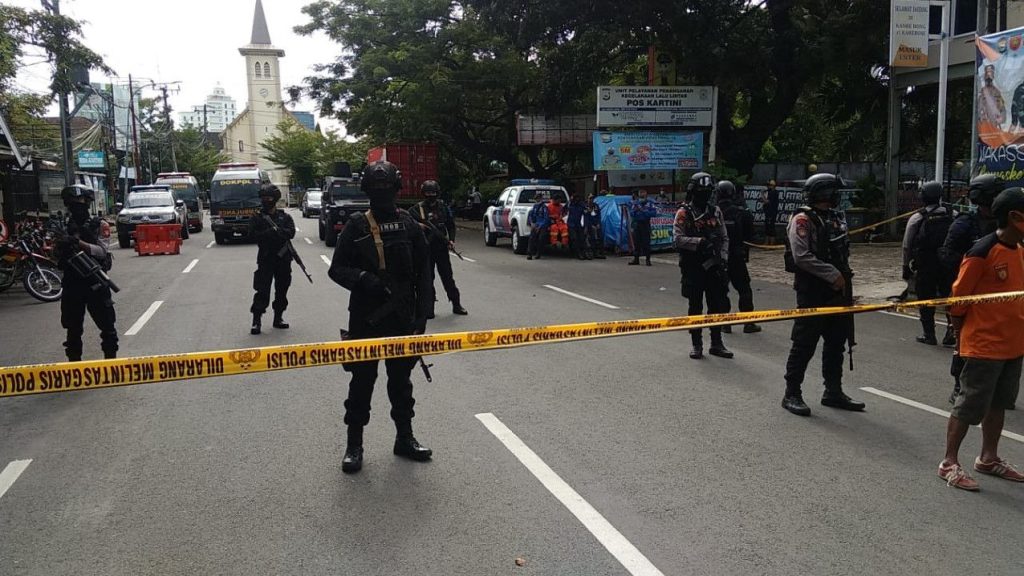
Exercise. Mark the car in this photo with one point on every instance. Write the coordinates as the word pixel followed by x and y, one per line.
pixel 186 187
pixel 340 200
pixel 153 204
pixel 506 216
pixel 311 202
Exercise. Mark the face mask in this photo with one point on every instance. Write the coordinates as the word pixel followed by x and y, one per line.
pixel 700 197
pixel 80 212
pixel 268 202
pixel 383 201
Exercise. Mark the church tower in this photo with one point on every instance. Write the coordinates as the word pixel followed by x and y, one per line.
pixel 265 107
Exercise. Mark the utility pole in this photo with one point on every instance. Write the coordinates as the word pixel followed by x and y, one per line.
pixel 170 126
pixel 53 6
pixel 135 132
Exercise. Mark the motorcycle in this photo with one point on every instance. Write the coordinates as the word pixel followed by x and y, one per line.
pixel 39 274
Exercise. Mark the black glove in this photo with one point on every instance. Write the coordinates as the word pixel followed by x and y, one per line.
pixel 419 325
pixel 371 284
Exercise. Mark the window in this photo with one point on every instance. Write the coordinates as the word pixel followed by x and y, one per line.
pixel 258 70
pixel 241 146
pixel 266 70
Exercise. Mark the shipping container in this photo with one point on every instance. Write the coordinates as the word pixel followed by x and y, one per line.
pixel 416 161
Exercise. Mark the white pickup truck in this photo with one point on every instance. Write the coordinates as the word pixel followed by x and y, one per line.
pixel 506 217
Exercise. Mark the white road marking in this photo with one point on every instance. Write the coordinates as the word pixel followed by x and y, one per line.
pixel 308 241
pixel 664 261
pixel 190 266
pixel 212 242
pixel 325 259
pixel 581 297
pixel 144 318
pixel 927 408
pixel 632 559
pixel 910 316
pixel 11 473
pixel 297 229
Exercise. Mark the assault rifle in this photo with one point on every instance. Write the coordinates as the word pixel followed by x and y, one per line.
pixel 345 335
pixel 288 248
pixel 83 264
pixel 432 229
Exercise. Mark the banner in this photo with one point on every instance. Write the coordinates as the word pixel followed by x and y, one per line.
pixel 648 150
pixel 91 159
pixel 682 106
pixel 908 34
pixel 790 200
pixel 1000 105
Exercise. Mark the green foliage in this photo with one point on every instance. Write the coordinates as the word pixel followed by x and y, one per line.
pixel 24 113
pixel 309 155
pixel 60 38
pixel 197 156
pixel 870 195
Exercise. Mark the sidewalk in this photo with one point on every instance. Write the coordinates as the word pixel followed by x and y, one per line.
pixel 877 267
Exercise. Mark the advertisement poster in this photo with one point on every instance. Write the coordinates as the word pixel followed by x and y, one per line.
pixel 648 151
pixel 908 37
pixel 1000 105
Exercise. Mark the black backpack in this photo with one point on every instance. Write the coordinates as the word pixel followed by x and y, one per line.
pixel 931 235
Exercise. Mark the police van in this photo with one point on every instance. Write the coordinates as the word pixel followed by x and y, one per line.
pixel 186 188
pixel 234 198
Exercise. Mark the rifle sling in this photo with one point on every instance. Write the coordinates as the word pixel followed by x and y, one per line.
pixel 378 241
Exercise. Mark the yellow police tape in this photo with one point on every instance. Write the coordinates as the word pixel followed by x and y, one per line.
pixel 850 233
pixel 89 375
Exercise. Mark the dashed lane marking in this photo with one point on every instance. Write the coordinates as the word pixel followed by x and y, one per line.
pixel 622 549
pixel 581 297
pixel 11 473
pixel 212 242
pixel 927 408
pixel 144 318
pixel 325 259
pixel 308 241
pixel 190 266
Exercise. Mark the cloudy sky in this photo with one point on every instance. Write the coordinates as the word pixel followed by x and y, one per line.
pixel 192 41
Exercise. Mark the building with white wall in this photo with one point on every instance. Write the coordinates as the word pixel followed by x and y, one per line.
pixel 215 114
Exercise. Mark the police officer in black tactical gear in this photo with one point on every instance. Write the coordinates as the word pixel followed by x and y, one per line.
pixel 84 233
pixel 382 257
pixel 965 230
pixel 274 260
pixel 925 234
pixel 699 234
pixel 818 253
pixel 739 223
pixel 439 227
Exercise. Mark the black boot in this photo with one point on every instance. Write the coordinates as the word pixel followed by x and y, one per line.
pixel 835 398
pixel 279 321
pixel 697 352
pixel 110 354
pixel 928 339
pixel 256 324
pixel 634 261
pixel 949 340
pixel 727 329
pixel 795 404
pixel 648 260
pixel 751 328
pixel 599 255
pixel 353 460
pixel 719 349
pixel 458 309
pixel 408 447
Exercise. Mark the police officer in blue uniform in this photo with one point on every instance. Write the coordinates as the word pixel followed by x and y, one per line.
pixel 382 258
pixel 923 239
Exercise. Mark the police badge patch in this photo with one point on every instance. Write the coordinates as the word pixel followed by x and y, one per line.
pixel 1002 272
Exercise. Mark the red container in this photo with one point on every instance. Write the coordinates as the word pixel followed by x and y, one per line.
pixel 416 161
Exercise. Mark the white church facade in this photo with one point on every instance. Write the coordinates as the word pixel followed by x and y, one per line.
pixel 265 108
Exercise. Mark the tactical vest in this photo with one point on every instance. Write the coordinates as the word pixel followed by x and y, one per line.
pixel 385 248
pixel 706 227
pixel 435 217
pixel 88 233
pixel 830 244
pixel 931 234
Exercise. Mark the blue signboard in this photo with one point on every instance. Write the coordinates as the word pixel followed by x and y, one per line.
pixel 91 159
pixel 647 150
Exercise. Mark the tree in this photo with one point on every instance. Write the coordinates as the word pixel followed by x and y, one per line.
pixel 297 149
pixel 196 156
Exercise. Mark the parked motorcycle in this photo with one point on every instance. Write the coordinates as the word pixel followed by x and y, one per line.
pixel 39 274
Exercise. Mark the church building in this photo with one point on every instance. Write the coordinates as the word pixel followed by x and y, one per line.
pixel 265 107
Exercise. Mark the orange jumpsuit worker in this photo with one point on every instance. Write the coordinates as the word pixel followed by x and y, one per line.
pixel 558 229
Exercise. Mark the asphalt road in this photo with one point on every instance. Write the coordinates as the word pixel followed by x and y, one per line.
pixel 617 456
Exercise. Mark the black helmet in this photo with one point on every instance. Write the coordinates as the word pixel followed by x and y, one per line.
pixel 931 192
pixel 430 188
pixel 68 193
pixel 726 190
pixel 700 182
pixel 985 188
pixel 381 176
pixel 269 190
pixel 822 187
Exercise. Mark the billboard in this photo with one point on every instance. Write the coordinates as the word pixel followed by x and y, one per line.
pixel 648 150
pixel 573 130
pixel 91 159
pixel 683 106
pixel 1000 105
pixel 908 34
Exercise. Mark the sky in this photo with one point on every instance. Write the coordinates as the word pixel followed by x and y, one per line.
pixel 192 41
